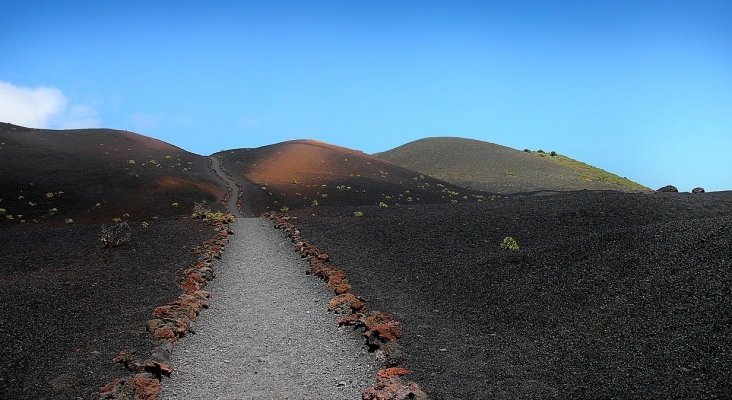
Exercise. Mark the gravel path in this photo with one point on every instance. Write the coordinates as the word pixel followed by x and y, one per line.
pixel 267 334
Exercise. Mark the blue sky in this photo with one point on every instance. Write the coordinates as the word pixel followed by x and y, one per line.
pixel 640 88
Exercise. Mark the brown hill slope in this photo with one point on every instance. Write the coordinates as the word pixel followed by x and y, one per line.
pixel 97 174
pixel 306 173
pixel 499 169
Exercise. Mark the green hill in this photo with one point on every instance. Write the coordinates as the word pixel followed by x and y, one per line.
pixel 500 169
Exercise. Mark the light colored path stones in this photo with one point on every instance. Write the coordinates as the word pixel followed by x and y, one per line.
pixel 267 334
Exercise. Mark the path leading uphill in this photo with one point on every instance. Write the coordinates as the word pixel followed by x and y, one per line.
pixel 267 334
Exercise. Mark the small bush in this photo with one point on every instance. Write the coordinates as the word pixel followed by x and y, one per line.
pixel 49 195
pixel 540 151
pixel 115 234
pixel 358 214
pixel 527 151
pixel 175 205
pixel 383 205
pixel 199 209
pixel 553 154
pixel 285 209
pixel 2 211
pixel 509 243
pixel 218 216
pixel 314 203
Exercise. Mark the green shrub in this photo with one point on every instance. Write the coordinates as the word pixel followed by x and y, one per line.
pixel 218 216
pixel 509 243
pixel 383 205
pixel 540 151
pixel 358 214
pixel 553 154
pixel 115 234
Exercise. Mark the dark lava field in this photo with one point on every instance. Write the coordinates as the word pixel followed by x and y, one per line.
pixel 610 295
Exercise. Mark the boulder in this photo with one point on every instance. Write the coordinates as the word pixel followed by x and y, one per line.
pixel 698 190
pixel 668 189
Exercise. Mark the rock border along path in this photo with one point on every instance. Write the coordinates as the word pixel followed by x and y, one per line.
pixel 267 334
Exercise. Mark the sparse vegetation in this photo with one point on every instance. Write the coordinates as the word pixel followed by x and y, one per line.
pixel 553 154
pixel 115 234
pixel 358 214
pixel 175 205
pixel 509 243
pixel 201 211
pixel 285 209
pixel 383 205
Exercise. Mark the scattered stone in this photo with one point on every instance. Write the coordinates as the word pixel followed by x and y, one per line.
pixel 342 302
pixel 393 389
pixel 668 189
pixel 147 387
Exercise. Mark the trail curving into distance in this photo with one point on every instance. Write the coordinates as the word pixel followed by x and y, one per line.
pixel 267 334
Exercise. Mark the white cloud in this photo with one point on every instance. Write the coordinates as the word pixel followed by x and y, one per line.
pixel 80 116
pixel 43 107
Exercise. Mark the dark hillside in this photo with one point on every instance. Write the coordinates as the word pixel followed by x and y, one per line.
pixel 95 175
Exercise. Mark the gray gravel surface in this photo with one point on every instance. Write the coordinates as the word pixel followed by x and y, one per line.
pixel 267 334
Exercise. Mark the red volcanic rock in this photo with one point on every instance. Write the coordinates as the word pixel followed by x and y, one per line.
pixel 181 327
pixel 342 288
pixel 191 284
pixel 334 278
pixel 118 389
pixel 345 300
pixel 154 324
pixel 147 387
pixel 387 332
pixel 392 372
pixel 157 368
pixel 162 311
pixel 393 389
pixel 355 319
pixel 375 318
pixel 164 333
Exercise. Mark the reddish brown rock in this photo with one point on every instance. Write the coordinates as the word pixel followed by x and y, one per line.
pixel 162 311
pixel 342 288
pixel 355 319
pixel 334 278
pixel 393 389
pixel 345 300
pixel 147 387
pixel 164 333
pixel 392 372
pixel 386 332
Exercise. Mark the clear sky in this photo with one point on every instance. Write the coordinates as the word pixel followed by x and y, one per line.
pixel 640 88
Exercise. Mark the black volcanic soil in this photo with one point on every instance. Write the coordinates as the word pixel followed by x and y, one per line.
pixel 611 295
pixel 69 305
